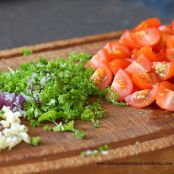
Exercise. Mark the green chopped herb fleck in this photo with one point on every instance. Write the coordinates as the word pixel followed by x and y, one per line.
pixel 26 52
pixel 35 141
pixel 96 124
pixel 47 128
pixel 79 134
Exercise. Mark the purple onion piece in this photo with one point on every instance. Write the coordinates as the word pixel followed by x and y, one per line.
pixel 4 102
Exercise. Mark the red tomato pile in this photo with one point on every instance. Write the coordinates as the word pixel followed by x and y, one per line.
pixel 139 67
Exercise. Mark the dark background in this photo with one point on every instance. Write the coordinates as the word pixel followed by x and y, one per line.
pixel 25 22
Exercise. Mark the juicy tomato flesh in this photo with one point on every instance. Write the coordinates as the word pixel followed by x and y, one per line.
pixel 122 84
pixel 127 39
pixel 147 52
pixel 166 29
pixel 149 23
pixel 149 37
pixel 102 56
pixel 102 77
pixel 170 54
pixel 165 96
pixel 117 50
pixel 140 65
pixel 165 70
pixel 116 64
pixel 143 98
pixel 145 80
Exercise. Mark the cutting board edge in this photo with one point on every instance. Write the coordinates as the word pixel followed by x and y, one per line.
pixel 59 44
pixel 136 151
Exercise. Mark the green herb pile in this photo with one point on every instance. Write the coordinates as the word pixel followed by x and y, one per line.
pixel 57 91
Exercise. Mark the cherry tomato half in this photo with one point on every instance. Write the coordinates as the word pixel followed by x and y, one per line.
pixel 165 96
pixel 149 37
pixel 148 23
pixel 101 56
pixel 140 65
pixel 116 64
pixel 122 84
pixel 143 98
pixel 102 76
pixel 164 70
pixel 117 50
pixel 145 80
pixel 147 52
pixel 126 39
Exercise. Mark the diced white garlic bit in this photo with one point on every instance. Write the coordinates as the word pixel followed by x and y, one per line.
pixel 14 132
pixel 105 152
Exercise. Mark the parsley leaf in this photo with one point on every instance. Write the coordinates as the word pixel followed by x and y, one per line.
pixel 35 141
pixel 26 52
pixel 57 90
pixel 79 134
pixel 47 127
pixel 96 124
pixel 48 116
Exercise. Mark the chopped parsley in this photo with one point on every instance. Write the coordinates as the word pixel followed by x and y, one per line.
pixel 103 150
pixel 47 127
pixel 79 134
pixel 96 124
pixel 57 91
pixel 112 98
pixel 26 52
pixel 35 141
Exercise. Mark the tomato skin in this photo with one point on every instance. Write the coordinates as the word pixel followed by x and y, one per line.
pixel 102 56
pixel 165 96
pixel 170 54
pixel 166 29
pixel 102 76
pixel 126 39
pixel 148 37
pixel 140 65
pixel 164 70
pixel 148 23
pixel 143 98
pixel 116 64
pixel 147 52
pixel 117 50
pixel 145 80
pixel 172 23
pixel 170 41
pixel 122 84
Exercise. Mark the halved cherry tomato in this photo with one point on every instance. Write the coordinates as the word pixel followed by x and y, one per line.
pixel 170 41
pixel 161 55
pixel 148 23
pixel 145 80
pixel 166 29
pixel 143 98
pixel 164 70
pixel 122 84
pixel 140 65
pixel 170 54
pixel 149 37
pixel 117 50
pixel 172 24
pixel 102 76
pixel 147 52
pixel 165 96
pixel 101 56
pixel 127 39
pixel 116 64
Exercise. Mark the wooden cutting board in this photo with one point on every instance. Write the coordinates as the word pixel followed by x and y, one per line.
pixel 133 135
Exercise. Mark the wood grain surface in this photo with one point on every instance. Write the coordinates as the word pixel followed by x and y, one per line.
pixel 133 135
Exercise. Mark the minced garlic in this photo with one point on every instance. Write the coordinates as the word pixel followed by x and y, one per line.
pixel 12 131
